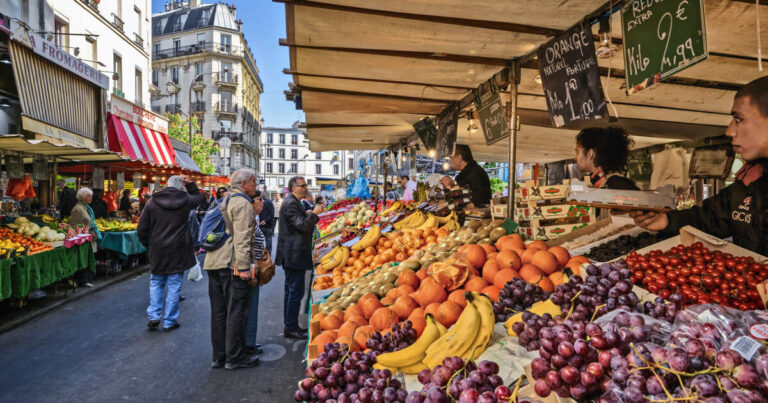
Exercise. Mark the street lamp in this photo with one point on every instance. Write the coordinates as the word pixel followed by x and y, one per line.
pixel 189 98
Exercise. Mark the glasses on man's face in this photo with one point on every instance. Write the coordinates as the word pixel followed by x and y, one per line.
pixel 302 186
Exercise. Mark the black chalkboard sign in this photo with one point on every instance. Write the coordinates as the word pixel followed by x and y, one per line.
pixel 427 132
pixel 14 165
pixel 491 111
pixel 447 128
pixel 569 75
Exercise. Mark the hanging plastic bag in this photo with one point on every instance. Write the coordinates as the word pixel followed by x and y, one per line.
pixel 196 272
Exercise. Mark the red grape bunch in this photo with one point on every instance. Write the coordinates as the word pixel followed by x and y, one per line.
pixel 400 337
pixel 516 296
pixel 605 289
pixel 465 382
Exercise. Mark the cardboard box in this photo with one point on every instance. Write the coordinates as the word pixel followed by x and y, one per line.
pixel 541 192
pixel 618 221
pixel 552 212
pixel 657 200
pixel 547 232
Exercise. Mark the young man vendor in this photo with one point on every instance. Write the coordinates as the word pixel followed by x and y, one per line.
pixel 739 210
pixel 603 152
pixel 472 175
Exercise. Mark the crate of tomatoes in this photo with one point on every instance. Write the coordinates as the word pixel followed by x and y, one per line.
pixel 703 269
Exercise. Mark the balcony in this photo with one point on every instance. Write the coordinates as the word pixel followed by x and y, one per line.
pixel 117 22
pixel 93 4
pixel 137 39
pixel 226 110
pixel 173 108
pixel 201 47
pixel 225 80
pixel 236 137
pixel 198 107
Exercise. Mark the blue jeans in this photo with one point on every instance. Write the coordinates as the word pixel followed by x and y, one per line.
pixel 294 292
pixel 157 283
pixel 253 316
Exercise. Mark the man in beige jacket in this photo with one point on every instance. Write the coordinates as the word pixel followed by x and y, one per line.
pixel 229 273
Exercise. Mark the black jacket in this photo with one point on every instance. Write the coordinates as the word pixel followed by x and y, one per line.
pixel 67 200
pixel 294 241
pixel 125 204
pixel 267 216
pixel 738 211
pixel 164 229
pixel 99 207
pixel 475 177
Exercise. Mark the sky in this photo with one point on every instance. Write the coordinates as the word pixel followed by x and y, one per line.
pixel 263 26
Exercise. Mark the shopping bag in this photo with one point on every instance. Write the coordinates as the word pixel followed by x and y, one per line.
pixel 196 273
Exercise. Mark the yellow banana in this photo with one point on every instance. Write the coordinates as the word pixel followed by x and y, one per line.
pixel 369 239
pixel 430 222
pixel 414 369
pixel 413 353
pixel 332 262
pixel 441 328
pixel 407 220
pixel 328 255
pixel 395 206
pixel 344 257
pixel 417 222
pixel 487 321
pixel 458 338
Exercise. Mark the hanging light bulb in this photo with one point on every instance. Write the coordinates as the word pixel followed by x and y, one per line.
pixel 606 49
pixel 432 153
pixel 446 166
pixel 472 129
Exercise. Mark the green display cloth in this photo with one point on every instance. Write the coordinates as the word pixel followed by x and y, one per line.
pixel 126 243
pixel 45 268
pixel 5 278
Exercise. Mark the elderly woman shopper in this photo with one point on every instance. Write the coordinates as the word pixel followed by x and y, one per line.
pixel 82 214
pixel 257 252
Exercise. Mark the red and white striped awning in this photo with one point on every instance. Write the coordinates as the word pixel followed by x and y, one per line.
pixel 140 143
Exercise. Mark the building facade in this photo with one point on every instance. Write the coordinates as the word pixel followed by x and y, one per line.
pixel 285 153
pixel 201 65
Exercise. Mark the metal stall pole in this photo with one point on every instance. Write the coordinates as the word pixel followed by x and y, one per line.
pixel 514 80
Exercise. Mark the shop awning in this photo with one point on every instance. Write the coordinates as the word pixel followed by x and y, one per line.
pixel 327 181
pixel 141 143
pixel 62 152
pixel 185 161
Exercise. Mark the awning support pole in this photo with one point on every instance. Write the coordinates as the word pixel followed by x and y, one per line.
pixel 514 80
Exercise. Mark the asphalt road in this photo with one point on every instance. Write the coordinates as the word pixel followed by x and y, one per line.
pixel 98 349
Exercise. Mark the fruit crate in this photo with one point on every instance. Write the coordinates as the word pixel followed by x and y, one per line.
pixel 551 212
pixel 530 192
pixel 546 232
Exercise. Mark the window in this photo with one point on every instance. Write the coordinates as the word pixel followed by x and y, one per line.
pixel 294 154
pixel 281 168
pixel 155 77
pixel 201 41
pixel 294 168
pixel 269 167
pixel 282 138
pixel 226 72
pixel 335 169
pixel 117 67
pixel 225 125
pixel 318 169
pixel 90 50
pixel 281 181
pixel 269 138
pixel 199 68
pixel 175 74
pixel 318 156
pixel 294 139
pixel 309 182
pixel 61 28
pixel 269 153
pixel 157 50
pixel 138 20
pixel 138 84
pixel 351 164
pixel 176 47
pixel 226 43
pixel 281 153
pixel 226 101
pixel 198 97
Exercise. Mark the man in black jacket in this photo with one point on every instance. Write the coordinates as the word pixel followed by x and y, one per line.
pixel 267 222
pixel 472 176
pixel 294 252
pixel 739 210
pixel 98 204
pixel 164 229
pixel 603 152
pixel 67 199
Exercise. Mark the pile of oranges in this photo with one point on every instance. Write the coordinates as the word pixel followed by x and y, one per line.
pixel 24 241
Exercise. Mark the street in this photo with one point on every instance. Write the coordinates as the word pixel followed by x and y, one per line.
pixel 98 349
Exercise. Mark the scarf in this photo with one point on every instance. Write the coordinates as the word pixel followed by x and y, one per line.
pixel 93 226
pixel 751 172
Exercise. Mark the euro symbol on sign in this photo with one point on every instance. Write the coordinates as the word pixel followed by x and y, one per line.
pixel 681 10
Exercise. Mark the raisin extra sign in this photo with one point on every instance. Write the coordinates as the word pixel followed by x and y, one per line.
pixel 570 79
pixel 661 37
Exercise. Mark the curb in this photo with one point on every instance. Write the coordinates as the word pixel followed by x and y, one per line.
pixel 86 291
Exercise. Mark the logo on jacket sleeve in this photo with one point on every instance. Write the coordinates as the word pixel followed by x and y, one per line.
pixel 741 214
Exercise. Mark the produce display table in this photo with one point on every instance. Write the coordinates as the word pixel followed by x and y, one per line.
pixel 42 269
pixel 125 243
pixel 5 278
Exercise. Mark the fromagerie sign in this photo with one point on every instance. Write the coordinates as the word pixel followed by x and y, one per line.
pixel 660 39
pixel 570 79
pixel 133 113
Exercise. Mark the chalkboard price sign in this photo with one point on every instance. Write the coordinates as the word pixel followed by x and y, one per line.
pixel 427 132
pixel 569 75
pixel 660 39
pixel 447 128
pixel 491 111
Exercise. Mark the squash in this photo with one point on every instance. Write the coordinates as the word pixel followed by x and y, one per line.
pixel 330 322
pixel 352 310
pixel 369 303
pixel 448 313
pixel 457 297
pixel 429 291
pixel 383 319
pixel 404 305
pixel 408 277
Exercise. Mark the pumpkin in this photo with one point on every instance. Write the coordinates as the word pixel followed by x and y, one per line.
pixel 432 308
pixel 508 259
pixel 404 305
pixel 362 334
pixel 475 284
pixel 545 261
pixel 561 254
pixel 349 341
pixel 475 255
pixel 530 273
pixel 416 314
pixel 352 310
pixel 488 248
pixel 422 274
pixel 458 298
pixel 492 291
pixel 369 305
pixel 490 268
pixel 408 277
pixel 383 319
pixel 448 313
pixel 503 277
pixel 330 322
pixel 322 339
pixel 418 323
pixel 429 291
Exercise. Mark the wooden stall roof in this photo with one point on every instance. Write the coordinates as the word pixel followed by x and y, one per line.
pixel 366 70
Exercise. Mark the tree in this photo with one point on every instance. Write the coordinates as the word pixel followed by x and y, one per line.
pixel 202 147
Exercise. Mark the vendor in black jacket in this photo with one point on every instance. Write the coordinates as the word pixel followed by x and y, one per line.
pixel 739 210
pixel 472 176
pixel 602 152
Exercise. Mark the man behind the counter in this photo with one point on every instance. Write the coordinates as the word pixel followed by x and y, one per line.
pixel 739 210
pixel 602 152
pixel 472 175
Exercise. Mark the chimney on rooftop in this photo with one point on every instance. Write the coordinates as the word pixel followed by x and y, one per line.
pixel 194 3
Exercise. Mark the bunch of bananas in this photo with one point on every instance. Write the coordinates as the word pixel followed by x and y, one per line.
pixel 337 257
pixel 418 220
pixel 369 239
pixel 397 205
pixel 467 338
pixel 114 225
pixel 47 219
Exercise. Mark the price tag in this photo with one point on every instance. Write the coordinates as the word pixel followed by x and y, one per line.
pixel 387 229
pixel 746 347
pixel 351 242
pixel 759 331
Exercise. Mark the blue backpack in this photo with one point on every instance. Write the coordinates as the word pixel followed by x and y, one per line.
pixel 213 229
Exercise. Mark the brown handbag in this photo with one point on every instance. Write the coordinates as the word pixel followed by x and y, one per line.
pixel 264 269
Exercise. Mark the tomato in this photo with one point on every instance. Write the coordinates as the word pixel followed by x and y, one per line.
pixel 685 272
pixel 665 293
pixel 653 288
pixel 671 275
pixel 695 271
